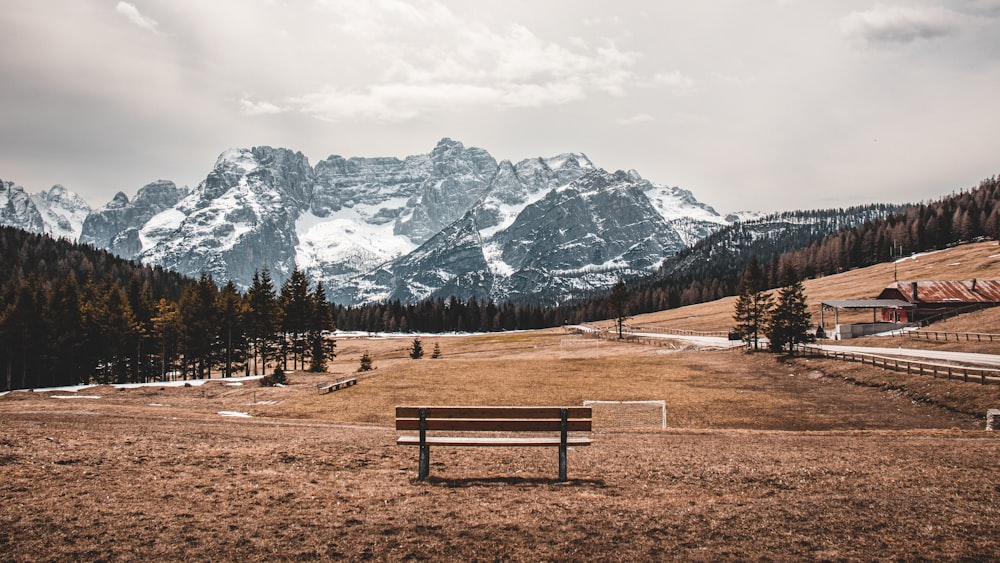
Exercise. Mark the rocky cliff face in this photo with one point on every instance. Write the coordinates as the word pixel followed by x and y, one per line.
pixel 116 226
pixel 452 222
pixel 57 212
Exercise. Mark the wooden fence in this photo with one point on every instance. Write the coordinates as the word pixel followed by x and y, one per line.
pixel 612 335
pixel 986 376
pixel 946 336
pixel 677 331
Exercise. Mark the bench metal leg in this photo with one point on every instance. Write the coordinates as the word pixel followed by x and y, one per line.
pixel 424 468
pixel 564 427
pixel 425 462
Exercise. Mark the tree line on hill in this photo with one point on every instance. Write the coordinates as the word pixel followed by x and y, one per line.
pixel 70 314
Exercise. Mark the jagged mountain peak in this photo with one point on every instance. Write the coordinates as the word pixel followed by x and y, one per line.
pixel 58 212
pixel 118 201
pixel 452 221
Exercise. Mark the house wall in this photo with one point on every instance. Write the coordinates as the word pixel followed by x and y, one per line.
pixel 845 331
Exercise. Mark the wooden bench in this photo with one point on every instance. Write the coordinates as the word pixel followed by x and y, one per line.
pixel 468 421
pixel 340 383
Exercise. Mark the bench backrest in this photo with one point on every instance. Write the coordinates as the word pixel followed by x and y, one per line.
pixel 495 419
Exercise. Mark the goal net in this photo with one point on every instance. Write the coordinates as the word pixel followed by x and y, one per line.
pixel 574 348
pixel 620 415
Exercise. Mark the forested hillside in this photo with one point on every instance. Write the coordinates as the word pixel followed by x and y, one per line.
pixel 71 314
pixel 712 268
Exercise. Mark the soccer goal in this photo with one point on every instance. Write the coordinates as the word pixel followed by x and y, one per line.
pixel 574 348
pixel 618 415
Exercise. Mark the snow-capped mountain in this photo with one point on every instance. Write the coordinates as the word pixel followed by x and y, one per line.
pixel 116 226
pixel 57 212
pixel 452 222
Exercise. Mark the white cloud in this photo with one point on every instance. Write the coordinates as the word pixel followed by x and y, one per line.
pixel 676 82
pixel 250 107
pixel 635 119
pixel 900 24
pixel 431 60
pixel 135 16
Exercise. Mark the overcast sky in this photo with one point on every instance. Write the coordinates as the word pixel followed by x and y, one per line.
pixel 752 105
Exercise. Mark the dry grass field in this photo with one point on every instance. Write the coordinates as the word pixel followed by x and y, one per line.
pixel 763 459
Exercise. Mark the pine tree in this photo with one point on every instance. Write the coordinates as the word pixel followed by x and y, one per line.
pixel 437 351
pixel 231 310
pixel 199 324
pixel 167 333
pixel 753 304
pixel 320 349
pixel 790 320
pixel 264 319
pixel 366 362
pixel 296 308
pixel 416 349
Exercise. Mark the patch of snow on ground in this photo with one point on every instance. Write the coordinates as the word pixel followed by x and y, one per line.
pixel 75 396
pixel 178 383
pixel 918 255
pixel 234 413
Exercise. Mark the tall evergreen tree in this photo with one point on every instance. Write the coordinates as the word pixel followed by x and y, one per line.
pixel 264 320
pixel 167 333
pixel 753 304
pixel 67 340
pixel 230 306
pixel 790 320
pixel 320 349
pixel 199 321
pixel 296 308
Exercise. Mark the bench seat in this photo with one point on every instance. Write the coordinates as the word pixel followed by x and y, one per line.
pixel 494 426
pixel 553 441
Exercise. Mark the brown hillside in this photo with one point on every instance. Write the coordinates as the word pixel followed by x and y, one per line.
pixel 976 260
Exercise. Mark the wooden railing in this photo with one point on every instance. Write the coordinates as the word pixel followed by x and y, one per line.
pixel 677 331
pixel 946 336
pixel 986 376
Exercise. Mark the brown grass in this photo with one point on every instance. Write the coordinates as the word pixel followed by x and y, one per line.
pixel 764 459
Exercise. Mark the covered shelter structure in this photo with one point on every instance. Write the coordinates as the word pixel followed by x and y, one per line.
pixel 887 314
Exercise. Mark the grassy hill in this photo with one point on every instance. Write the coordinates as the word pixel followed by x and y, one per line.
pixel 977 260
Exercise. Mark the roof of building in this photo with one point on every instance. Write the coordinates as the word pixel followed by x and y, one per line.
pixel 971 291
pixel 868 304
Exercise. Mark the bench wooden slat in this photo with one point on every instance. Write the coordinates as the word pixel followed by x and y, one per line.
pixel 499 419
pixel 492 441
pixel 495 425
pixel 493 412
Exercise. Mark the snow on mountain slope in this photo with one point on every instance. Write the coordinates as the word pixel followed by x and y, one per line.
pixel 63 212
pixel 333 249
pixel 57 212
